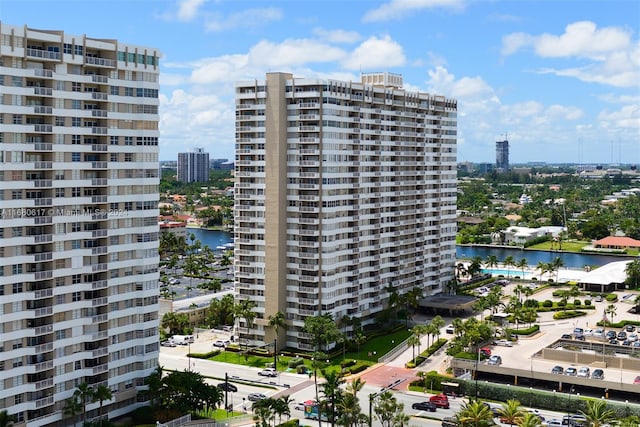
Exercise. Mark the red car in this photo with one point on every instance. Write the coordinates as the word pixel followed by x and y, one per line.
pixel 440 400
pixel 486 351
pixel 637 380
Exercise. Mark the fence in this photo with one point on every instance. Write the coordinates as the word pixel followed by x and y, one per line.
pixel 394 352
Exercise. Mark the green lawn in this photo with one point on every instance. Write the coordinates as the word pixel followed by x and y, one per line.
pixel 567 246
pixel 369 354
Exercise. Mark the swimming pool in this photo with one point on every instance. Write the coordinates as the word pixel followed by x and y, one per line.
pixel 508 273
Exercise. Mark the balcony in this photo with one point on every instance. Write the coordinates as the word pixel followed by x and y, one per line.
pixel 43 54
pixel 41 312
pixel 100 62
pixel 43 366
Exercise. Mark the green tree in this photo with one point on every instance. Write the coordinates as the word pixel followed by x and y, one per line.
pixel 176 323
pixel 388 411
pixel 412 342
pixel 438 323
pixel 72 408
pixel 475 414
pixel 509 262
pixel 277 321
pixel 332 392
pixel 84 394
pixel 597 413
pixel 6 420
pixel 221 311
pixel 101 394
pixel 522 264
pixel 611 312
pixel 633 274
pixel 529 420
pixel 323 330
pixel 244 310
pixel 511 411
pixel 154 384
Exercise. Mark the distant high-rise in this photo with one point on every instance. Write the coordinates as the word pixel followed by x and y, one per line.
pixel 502 156
pixel 193 166
pixel 344 191
pixel 79 226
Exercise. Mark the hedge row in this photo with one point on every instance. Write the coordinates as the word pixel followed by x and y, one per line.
pixel 425 354
pixel 528 331
pixel 620 324
pixel 568 314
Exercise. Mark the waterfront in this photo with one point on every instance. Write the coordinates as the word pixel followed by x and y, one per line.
pixel 215 238
pixel 570 259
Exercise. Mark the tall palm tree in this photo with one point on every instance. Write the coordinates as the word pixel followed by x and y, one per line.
pixel 522 265
pixel 509 262
pixel 72 408
pixel 543 267
pixel 333 393
pixel 557 264
pixel 597 413
pixel 438 323
pixel 475 414
pixel 102 393
pixel 491 261
pixel 84 394
pixel 413 341
pixel 277 321
pixel 511 412
pixel 633 273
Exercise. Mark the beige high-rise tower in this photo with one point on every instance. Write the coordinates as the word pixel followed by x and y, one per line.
pixel 344 190
pixel 79 229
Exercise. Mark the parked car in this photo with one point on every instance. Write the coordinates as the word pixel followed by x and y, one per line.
pixel 486 351
pixel 557 370
pixel 218 343
pixel 630 328
pixel 268 372
pixel 554 423
pixel 610 335
pixel 613 341
pixel 504 343
pixel 633 337
pixel 440 400
pixel 578 331
pixel 495 360
pixel 598 374
pixel 566 336
pixel 598 333
pixel 254 397
pixel 168 343
pixel 424 406
pixel 449 329
pixel 588 332
pixel 637 380
pixel 622 335
pixel 584 372
pixel 226 386
pixel 571 372
pixel 627 342
pixel 580 337
pixel 574 420
pixel 598 298
pixel 449 422
pixel 300 405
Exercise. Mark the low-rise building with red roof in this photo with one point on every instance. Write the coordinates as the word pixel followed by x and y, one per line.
pixel 615 242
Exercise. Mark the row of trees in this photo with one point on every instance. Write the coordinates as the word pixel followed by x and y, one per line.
pixel 83 396
pixel 429 329
pixel 477 414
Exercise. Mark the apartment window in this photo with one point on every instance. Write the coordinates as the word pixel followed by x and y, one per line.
pixel 17 119
pixel 76 278
pixel 113 140
pixel 59 192
pixel 67 48
pixel 115 90
pixel 60 264
pixel 16 81
pixel 75 226
pixel 128 140
pixel 75 244
pixel 128 91
pixel 76 104
pixel 59 175
pixel 76 87
pixel 75 157
pixel 76 121
pixel 113 157
pixel 76 296
pixel 59 299
pixel 16 231
pixel 16 194
pixel 75 192
pixel 17 288
pixel 59 121
pixel 16 269
pixel 60 335
pixel 128 157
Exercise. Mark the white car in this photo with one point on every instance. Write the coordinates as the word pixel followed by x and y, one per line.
pixel 495 360
pixel 584 372
pixel 588 332
pixel 504 343
pixel 449 329
pixel 632 337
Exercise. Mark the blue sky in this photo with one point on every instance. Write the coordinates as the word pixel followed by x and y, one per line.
pixel 560 78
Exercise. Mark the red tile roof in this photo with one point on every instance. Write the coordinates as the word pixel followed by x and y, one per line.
pixel 623 242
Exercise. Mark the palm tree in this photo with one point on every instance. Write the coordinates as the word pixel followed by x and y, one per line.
pixel 491 262
pixel 597 413
pixel 522 265
pixel 413 341
pixel 277 321
pixel 460 270
pixel 438 323
pixel 509 262
pixel 475 414
pixel 333 393
pixel 102 393
pixel 611 311
pixel 84 394
pixel 633 274
pixel 529 420
pixel 556 265
pixel 543 267
pixel 6 420
pixel 511 412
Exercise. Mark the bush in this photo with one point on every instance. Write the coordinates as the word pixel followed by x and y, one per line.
pixel 205 355
pixel 547 303
pixel 528 331
pixel 587 302
pixel 531 303
pixel 568 314
pixel 294 363
pixel 347 363
pixel 359 368
pixel 562 303
pixel 611 297
pixel 577 302
pixel 301 369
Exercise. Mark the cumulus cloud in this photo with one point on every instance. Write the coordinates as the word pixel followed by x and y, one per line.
pixel 627 117
pixel 375 53
pixel 188 9
pixel 337 36
pixel 396 9
pixel 250 18
pixel 613 57
pixel 293 52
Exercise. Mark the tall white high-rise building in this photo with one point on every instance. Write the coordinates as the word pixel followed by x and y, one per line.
pixel 344 191
pixel 79 225
pixel 193 166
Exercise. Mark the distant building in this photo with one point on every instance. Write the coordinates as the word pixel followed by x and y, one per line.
pixel 193 166
pixel 221 165
pixel 484 168
pixel 502 156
